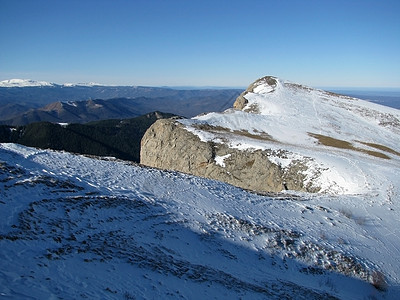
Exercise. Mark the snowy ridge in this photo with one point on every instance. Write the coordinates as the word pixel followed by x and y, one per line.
pixel 78 227
pixel 87 84
pixel 333 134
pixel 24 83
pixel 33 83
pixel 288 112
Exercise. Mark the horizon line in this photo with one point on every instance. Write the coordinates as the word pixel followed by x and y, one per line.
pixel 206 86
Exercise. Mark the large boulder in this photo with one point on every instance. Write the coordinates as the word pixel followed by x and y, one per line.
pixel 168 145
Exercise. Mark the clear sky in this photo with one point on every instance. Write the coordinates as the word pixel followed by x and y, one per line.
pixel 335 43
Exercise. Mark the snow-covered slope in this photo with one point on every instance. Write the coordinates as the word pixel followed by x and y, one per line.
pixel 75 227
pixel 351 146
pixel 24 83
pixel 34 83
pixel 88 84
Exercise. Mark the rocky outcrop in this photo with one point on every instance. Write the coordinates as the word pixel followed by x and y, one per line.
pixel 241 101
pixel 168 145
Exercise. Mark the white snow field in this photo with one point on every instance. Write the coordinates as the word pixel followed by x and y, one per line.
pixel 349 145
pixel 9 83
pixel 23 83
pixel 75 227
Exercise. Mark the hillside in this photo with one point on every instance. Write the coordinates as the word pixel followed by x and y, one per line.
pixel 119 138
pixel 285 136
pixel 75 227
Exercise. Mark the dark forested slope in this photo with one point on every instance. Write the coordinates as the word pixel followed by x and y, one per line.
pixel 117 138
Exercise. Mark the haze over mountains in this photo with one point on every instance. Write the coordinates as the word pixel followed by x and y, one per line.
pixel 24 101
pixel 387 97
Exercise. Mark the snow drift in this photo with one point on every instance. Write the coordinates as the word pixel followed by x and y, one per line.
pixel 78 227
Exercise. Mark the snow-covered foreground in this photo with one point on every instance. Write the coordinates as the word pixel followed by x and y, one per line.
pixel 74 227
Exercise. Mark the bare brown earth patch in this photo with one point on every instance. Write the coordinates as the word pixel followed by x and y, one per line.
pixel 381 147
pixel 337 143
pixel 258 135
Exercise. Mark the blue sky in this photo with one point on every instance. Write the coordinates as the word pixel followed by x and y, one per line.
pixel 202 43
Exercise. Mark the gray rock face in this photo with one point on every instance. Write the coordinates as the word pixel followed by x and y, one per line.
pixel 168 145
pixel 241 101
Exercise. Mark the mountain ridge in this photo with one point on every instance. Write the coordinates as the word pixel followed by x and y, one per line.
pixel 21 83
pixel 21 106
pixel 316 132
pixel 24 83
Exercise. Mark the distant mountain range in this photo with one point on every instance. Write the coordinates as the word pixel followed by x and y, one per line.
pixel 25 101
pixel 383 97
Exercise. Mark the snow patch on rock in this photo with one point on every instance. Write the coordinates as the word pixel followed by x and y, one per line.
pixel 219 160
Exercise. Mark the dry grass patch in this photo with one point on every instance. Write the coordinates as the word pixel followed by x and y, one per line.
pixel 262 136
pixel 373 153
pixel 380 147
pixel 258 135
pixel 332 142
pixel 210 128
